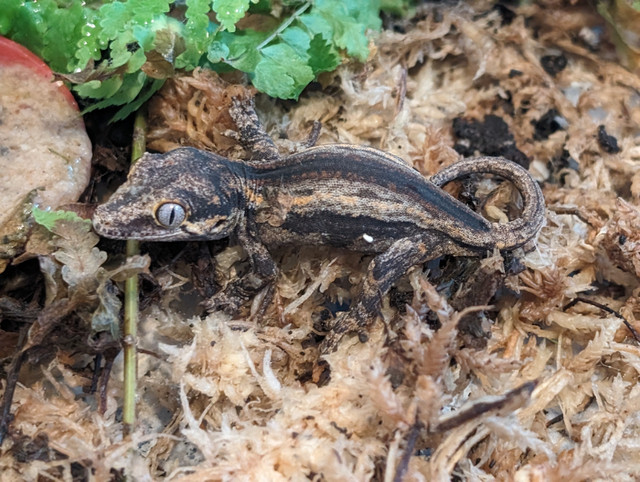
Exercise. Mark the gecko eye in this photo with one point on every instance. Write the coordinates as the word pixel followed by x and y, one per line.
pixel 170 215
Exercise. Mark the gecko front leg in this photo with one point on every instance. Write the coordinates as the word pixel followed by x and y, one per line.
pixel 253 137
pixel 263 273
pixel 251 131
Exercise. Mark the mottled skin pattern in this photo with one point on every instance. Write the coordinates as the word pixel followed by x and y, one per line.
pixel 341 195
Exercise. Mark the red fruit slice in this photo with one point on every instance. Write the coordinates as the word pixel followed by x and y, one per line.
pixel 12 54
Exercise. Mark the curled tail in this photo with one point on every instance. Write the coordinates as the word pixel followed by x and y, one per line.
pixel 515 233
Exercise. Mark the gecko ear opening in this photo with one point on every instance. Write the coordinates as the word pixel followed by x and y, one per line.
pixel 170 214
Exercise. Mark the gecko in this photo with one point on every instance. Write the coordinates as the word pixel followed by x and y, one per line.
pixel 348 196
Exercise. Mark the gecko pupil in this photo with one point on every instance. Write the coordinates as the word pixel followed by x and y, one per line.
pixel 170 215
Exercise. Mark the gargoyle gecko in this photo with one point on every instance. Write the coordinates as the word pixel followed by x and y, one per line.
pixel 348 196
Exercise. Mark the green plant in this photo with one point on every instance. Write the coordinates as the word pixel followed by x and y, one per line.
pixel 120 52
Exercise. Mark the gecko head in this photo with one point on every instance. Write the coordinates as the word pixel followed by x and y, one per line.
pixel 185 194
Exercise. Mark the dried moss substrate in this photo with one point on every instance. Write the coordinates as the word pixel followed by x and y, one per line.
pixel 535 390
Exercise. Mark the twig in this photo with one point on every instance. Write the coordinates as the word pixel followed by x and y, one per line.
pixel 402 467
pixel 97 361
pixel 104 383
pixel 11 382
pixel 510 401
pixel 580 299
pixel 314 134
pixel 402 89
pixel 572 211
pixel 31 335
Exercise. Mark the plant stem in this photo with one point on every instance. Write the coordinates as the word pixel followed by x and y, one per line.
pixel 131 297
pixel 284 25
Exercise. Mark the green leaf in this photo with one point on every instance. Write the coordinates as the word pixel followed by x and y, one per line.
pixel 260 6
pixel 228 12
pixel 99 89
pixel 148 90
pixel 344 23
pixel 197 33
pixel 400 8
pixel 146 11
pixel 169 39
pixel 48 219
pixel 88 45
pixel 298 40
pixel 322 57
pixel 364 12
pixel 30 27
pixel 144 36
pixel 281 72
pixel 8 14
pixel 350 36
pixel 121 49
pixel 348 31
pixel 114 17
pixel 118 16
pixel 318 24
pixel 217 52
pixel 130 86
pixel 58 42
pixel 243 49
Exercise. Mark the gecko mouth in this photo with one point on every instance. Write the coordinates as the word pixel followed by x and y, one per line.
pixel 107 229
pixel 141 234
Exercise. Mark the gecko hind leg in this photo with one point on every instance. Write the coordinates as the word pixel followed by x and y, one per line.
pixel 382 272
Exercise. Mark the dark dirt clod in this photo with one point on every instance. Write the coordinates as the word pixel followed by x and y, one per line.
pixel 553 64
pixel 29 449
pixel 560 165
pixel 506 13
pixel 546 125
pixel 608 143
pixel 400 299
pixel 490 137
